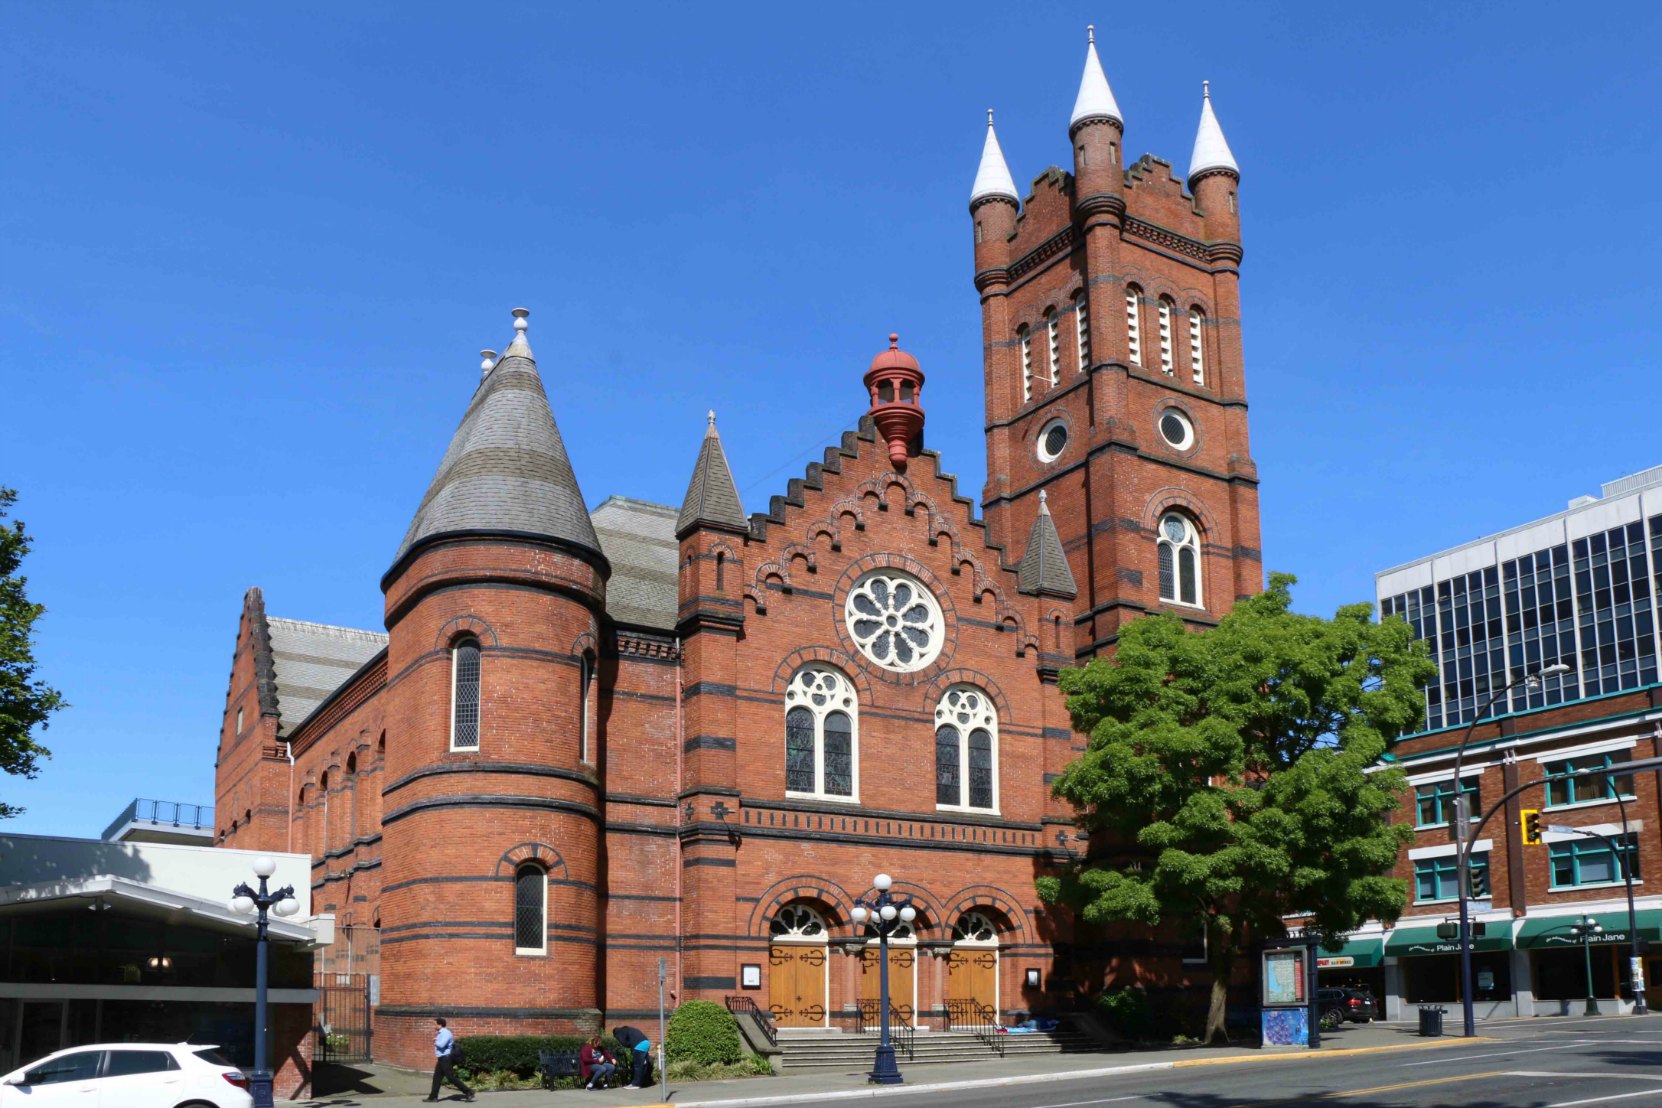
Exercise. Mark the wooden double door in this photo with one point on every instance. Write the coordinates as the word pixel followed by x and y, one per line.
pixel 796 985
pixel 972 974
pixel 903 978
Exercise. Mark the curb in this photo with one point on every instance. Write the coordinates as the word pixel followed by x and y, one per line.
pixel 1048 1078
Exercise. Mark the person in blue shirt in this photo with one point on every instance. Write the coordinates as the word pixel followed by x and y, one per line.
pixel 444 1053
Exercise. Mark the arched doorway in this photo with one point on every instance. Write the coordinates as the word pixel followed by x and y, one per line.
pixel 903 971
pixel 972 968
pixel 798 967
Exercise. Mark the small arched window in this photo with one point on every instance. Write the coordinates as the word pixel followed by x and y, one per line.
pixel 1133 324
pixel 1026 363
pixel 323 840
pixel 586 718
pixel 1179 545
pixel 821 754
pixel 1053 337
pixel 464 695
pixel 1197 346
pixel 800 922
pixel 1166 308
pixel 966 745
pixel 974 929
pixel 1082 329
pixel 530 909
pixel 352 787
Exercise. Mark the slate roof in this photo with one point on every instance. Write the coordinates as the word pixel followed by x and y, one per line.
pixel 1043 569
pixel 506 469
pixel 712 497
pixel 992 176
pixel 310 661
pixel 638 539
pixel 1211 150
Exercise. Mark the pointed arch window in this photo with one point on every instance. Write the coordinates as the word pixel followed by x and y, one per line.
pixel 1053 337
pixel 821 735
pixel 1165 335
pixel 464 695
pixel 1133 324
pixel 1197 356
pixel 966 750
pixel 1026 363
pixel 1082 325
pixel 1179 550
pixel 530 909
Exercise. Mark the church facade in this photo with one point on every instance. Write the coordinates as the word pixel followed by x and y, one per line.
pixel 591 741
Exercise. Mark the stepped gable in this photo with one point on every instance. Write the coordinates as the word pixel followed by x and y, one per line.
pixel 259 635
pixel 311 661
pixel 506 471
pixel 638 539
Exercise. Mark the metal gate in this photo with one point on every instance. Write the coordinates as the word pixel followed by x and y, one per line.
pixel 342 1017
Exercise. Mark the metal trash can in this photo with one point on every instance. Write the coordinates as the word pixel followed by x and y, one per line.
pixel 1431 1020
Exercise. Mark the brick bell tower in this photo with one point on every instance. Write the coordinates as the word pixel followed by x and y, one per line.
pixel 1112 348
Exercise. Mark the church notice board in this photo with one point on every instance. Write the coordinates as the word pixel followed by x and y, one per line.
pixel 1286 1014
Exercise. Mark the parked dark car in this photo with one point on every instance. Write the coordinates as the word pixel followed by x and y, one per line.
pixel 1345 1005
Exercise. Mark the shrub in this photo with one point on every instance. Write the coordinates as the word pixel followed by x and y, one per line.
pixel 1127 1012
pixel 703 1031
pixel 517 1054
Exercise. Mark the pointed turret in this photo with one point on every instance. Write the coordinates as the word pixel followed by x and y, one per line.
pixel 712 499
pixel 992 179
pixel 506 472
pixel 1043 569
pixel 1211 154
pixel 1096 99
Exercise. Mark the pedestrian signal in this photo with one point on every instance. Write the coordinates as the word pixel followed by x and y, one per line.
pixel 1530 820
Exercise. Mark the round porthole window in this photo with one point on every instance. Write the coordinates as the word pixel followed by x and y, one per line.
pixel 1176 429
pixel 1053 440
pixel 895 621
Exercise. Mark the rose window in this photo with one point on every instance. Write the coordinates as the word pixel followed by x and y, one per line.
pixel 895 621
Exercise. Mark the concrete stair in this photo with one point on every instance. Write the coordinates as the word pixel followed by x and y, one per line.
pixel 830 1050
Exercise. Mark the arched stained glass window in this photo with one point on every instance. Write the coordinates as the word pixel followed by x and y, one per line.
pixel 966 760
pixel 530 909
pixel 1179 552
pixel 464 695
pixel 821 734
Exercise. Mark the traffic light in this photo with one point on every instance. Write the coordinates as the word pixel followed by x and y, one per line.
pixel 1530 820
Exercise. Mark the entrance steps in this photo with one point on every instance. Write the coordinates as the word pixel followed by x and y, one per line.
pixel 825 1050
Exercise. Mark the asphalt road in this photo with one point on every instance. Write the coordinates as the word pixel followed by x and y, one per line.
pixel 1531 1064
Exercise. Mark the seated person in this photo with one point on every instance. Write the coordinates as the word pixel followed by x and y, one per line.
pixel 597 1064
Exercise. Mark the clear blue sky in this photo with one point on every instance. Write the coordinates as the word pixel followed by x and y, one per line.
pixel 248 254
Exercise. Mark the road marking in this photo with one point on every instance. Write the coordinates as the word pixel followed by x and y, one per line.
pixel 1409 1085
pixel 1077 1103
pixel 1304 1055
pixel 1504 1053
pixel 1605 1099
pixel 1585 1073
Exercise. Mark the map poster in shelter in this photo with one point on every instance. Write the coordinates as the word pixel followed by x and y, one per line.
pixel 1284 979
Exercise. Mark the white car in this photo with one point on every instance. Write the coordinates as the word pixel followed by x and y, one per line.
pixel 129 1075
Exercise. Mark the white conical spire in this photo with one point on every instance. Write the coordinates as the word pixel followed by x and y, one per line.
pixel 1211 151
pixel 1096 99
pixel 993 178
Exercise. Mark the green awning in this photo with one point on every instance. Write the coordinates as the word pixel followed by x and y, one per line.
pixel 1411 942
pixel 1353 954
pixel 1552 932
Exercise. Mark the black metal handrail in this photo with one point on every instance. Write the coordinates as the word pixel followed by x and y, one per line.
pixel 744 1006
pixel 902 1031
pixel 977 1018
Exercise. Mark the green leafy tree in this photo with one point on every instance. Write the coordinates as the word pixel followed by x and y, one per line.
pixel 1226 782
pixel 25 703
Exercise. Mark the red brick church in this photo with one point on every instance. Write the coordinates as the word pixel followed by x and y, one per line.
pixel 591 739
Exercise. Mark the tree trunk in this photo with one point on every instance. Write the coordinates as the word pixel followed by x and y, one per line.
pixel 1220 957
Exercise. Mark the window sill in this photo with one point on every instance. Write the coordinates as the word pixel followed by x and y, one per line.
pixel 1600 885
pixel 523 952
pixel 967 809
pixel 1167 602
pixel 1431 827
pixel 1456 900
pixel 827 798
pixel 1626 799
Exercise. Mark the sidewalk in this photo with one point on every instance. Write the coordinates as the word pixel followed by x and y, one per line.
pixel 818 1086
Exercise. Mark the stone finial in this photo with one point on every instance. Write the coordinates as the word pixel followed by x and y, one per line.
pixel 487 361
pixel 521 319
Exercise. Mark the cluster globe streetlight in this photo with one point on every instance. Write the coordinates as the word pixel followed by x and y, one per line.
pixel 245 901
pixel 1586 928
pixel 885 913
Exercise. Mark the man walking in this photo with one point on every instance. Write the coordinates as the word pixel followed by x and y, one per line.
pixel 446 1054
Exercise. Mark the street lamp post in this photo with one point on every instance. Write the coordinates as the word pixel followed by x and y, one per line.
pixel 1462 857
pixel 885 913
pixel 1619 852
pixel 246 900
pixel 1585 928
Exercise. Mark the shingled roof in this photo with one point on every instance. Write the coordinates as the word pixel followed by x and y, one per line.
pixel 712 499
pixel 638 539
pixel 506 469
pixel 310 661
pixel 1043 570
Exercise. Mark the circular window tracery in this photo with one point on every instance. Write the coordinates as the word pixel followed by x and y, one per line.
pixel 797 921
pixel 973 927
pixel 1053 440
pixel 820 687
pixel 1176 429
pixel 895 620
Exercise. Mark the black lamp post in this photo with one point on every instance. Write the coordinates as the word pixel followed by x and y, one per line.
pixel 245 900
pixel 1618 851
pixel 885 913
pixel 1586 928
pixel 1462 857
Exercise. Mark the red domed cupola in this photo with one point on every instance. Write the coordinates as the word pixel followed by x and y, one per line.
pixel 896 386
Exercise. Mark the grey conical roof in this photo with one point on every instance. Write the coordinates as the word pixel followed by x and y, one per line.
pixel 506 469
pixel 1043 569
pixel 712 498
